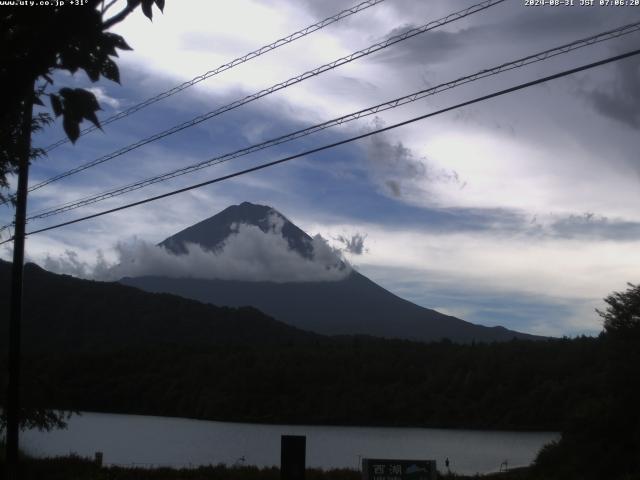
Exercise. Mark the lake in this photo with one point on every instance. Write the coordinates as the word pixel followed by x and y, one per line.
pixel 160 441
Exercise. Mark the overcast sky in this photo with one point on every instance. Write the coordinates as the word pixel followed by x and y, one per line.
pixel 519 211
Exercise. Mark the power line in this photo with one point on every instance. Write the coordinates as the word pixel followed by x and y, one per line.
pixel 530 59
pixel 342 142
pixel 279 86
pixel 233 63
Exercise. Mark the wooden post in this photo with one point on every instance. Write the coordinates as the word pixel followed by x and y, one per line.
pixel 292 457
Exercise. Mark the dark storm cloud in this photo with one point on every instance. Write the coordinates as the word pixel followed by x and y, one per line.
pixel 399 170
pixel 430 47
pixel 547 22
pixel 620 100
pixel 508 25
pixel 394 164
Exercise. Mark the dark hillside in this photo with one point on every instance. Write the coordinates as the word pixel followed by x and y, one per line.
pixel 63 313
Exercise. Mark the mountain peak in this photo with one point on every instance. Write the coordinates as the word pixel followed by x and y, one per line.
pixel 250 205
pixel 212 232
pixel 248 208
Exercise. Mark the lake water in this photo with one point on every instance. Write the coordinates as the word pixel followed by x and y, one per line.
pixel 160 441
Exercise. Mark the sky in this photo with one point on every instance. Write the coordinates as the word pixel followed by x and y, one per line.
pixel 519 211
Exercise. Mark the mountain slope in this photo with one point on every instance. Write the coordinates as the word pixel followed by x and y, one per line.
pixel 63 313
pixel 353 305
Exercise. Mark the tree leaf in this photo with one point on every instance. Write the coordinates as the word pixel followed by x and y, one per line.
pixel 69 59
pixel 91 116
pixel 93 71
pixel 117 41
pixel 146 8
pixel 71 128
pixel 56 104
pixel 109 70
pixel 78 104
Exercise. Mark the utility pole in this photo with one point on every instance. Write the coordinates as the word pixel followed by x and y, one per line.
pixel 15 315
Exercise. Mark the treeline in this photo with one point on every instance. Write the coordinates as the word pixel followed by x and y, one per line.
pixel 348 381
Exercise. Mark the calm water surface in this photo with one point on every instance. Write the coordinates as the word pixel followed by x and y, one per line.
pixel 179 442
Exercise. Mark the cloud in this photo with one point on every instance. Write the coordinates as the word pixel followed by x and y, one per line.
pixel 248 254
pixel 399 171
pixel 353 244
pixel 323 9
pixel 103 98
pixel 430 47
pixel 549 22
pixel 68 263
pixel 589 225
pixel 620 99
pixel 501 29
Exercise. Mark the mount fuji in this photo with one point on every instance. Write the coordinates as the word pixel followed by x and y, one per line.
pixel 304 284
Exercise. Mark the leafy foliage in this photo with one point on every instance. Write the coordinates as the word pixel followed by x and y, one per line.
pixel 602 440
pixel 35 42
pixel 40 418
pixel 622 315
pixel 75 104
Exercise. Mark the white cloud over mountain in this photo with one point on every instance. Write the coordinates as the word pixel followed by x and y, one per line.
pixel 248 254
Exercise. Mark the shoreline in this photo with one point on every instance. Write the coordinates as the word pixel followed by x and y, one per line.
pixel 332 425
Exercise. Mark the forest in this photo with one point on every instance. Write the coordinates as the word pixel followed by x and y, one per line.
pixel 345 381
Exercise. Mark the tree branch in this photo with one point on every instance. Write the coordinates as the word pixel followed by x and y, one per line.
pixel 108 6
pixel 120 16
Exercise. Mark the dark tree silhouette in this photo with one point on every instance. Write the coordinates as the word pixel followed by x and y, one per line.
pixel 602 440
pixel 622 340
pixel 622 315
pixel 35 42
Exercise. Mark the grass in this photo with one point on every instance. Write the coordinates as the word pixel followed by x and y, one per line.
pixel 80 468
pixel 83 468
